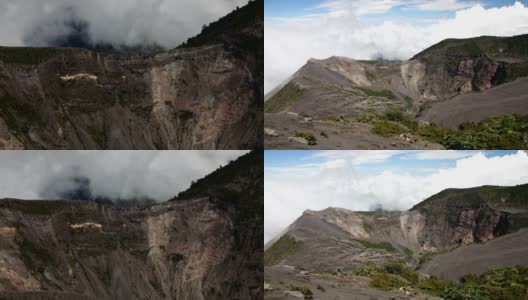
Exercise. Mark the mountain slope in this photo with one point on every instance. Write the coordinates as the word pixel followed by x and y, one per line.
pixel 344 239
pixel 194 248
pixel 338 253
pixel 451 83
pixel 208 96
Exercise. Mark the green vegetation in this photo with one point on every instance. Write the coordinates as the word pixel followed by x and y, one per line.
pixel 185 115
pixel 284 247
pixel 387 128
pixel 450 52
pixel 383 93
pixel 26 56
pixel 34 257
pixel 176 258
pixel 505 132
pixel 372 245
pixel 306 291
pixel 516 46
pixel 288 95
pixel 37 207
pixel 501 284
pixel 386 282
pixel 312 140
pixel 231 27
pixel 18 115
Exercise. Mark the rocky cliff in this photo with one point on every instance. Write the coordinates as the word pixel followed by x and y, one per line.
pixel 206 246
pixel 344 239
pixel 452 67
pixel 206 94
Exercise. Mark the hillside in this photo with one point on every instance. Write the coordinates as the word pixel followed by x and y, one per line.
pixel 439 94
pixel 206 95
pixel 485 223
pixel 203 247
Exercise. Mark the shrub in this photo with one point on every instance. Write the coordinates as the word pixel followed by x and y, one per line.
pixel 398 268
pixel 306 291
pixel 386 282
pixel 312 140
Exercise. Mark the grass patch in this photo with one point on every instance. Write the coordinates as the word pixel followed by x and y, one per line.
pixel 504 132
pixel 383 93
pixel 387 128
pixel 386 282
pixel 500 284
pixel 371 245
pixel 306 291
pixel 284 247
pixel 312 140
pixel 288 95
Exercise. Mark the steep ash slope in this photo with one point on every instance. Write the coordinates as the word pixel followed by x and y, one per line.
pixel 206 94
pixel 195 247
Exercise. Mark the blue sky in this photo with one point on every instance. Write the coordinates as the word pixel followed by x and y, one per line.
pixel 397 161
pixel 405 9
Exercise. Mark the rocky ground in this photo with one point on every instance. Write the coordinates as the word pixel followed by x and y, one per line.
pixel 281 128
pixel 279 279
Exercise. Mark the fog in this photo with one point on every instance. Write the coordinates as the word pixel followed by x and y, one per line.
pixel 88 175
pixel 167 23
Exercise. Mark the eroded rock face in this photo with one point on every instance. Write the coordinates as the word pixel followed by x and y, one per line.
pixel 193 98
pixel 177 250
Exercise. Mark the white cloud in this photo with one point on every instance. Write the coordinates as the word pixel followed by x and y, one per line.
pixel 290 42
pixel 116 174
pixel 363 7
pixel 166 22
pixel 443 154
pixel 444 5
pixel 287 195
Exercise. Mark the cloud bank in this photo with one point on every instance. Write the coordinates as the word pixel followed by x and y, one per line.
pixel 118 22
pixel 85 175
pixel 339 181
pixel 290 42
